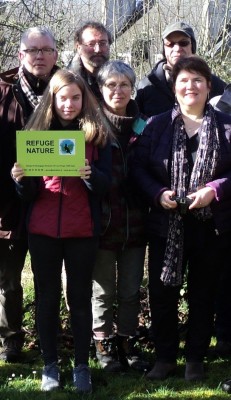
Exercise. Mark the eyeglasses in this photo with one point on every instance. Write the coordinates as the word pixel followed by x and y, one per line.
pixel 112 86
pixel 34 51
pixel 103 44
pixel 181 43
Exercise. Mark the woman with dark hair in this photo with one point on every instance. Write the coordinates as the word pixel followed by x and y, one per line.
pixel 182 164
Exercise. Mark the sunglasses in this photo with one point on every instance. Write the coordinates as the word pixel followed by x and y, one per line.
pixel 181 43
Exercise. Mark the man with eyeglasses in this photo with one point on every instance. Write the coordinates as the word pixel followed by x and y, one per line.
pixel 154 92
pixel 92 42
pixel 20 92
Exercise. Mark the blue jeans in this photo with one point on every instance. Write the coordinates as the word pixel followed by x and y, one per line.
pixel 117 278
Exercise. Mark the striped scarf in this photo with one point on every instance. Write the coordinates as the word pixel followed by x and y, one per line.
pixel 27 90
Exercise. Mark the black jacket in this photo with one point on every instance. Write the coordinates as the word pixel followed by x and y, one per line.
pixel 77 67
pixel 224 102
pixel 155 95
pixel 150 171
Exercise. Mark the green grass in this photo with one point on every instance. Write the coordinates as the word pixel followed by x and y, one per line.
pixel 22 381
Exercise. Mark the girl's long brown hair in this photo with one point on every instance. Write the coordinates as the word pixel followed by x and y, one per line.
pixel 91 119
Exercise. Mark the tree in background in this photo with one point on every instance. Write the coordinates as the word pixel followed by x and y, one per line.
pixel 136 26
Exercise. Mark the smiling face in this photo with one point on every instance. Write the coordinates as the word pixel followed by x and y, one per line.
pixel 68 103
pixel 191 89
pixel 176 46
pixel 40 64
pixel 117 92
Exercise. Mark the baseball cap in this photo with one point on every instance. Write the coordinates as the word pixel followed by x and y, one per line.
pixel 180 26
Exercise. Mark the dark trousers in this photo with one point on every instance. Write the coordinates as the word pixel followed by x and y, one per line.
pixel 223 306
pixel 12 259
pixel 79 256
pixel 204 256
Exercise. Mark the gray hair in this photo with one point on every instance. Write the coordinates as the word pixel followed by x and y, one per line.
pixel 37 30
pixel 118 68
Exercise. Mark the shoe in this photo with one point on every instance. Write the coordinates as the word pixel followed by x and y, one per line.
pixel 223 348
pixel 128 353
pixel 50 377
pixel 162 370
pixel 11 350
pixel 106 355
pixel 194 371
pixel 226 386
pixel 82 379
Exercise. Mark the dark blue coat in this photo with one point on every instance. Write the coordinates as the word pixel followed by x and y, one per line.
pixel 155 95
pixel 150 171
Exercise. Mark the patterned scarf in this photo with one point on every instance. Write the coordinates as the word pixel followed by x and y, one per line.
pixel 182 183
pixel 27 90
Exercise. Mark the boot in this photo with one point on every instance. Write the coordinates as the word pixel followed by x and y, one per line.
pixel 106 355
pixel 162 370
pixel 194 371
pixel 129 355
pixel 11 350
pixel 226 385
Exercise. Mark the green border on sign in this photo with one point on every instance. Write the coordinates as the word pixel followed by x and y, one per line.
pixel 51 153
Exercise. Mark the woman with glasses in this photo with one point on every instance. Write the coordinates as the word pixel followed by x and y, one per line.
pixel 119 267
pixel 182 165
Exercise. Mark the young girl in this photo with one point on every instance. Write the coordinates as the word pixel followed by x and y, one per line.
pixel 63 223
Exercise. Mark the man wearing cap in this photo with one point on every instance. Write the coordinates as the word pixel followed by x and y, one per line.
pixel 154 93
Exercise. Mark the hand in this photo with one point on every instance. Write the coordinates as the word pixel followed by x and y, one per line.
pixel 202 198
pixel 17 172
pixel 165 200
pixel 85 172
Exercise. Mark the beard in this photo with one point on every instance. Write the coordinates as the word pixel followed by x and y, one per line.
pixel 97 61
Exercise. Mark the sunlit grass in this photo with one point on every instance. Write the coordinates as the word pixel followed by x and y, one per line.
pixel 22 381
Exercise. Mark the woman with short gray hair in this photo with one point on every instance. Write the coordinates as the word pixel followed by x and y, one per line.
pixel 116 68
pixel 118 271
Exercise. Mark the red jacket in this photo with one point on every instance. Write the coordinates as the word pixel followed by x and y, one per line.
pixel 65 207
pixel 61 209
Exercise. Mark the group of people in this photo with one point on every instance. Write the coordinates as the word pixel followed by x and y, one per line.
pixel 163 181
